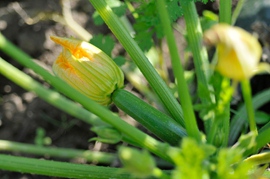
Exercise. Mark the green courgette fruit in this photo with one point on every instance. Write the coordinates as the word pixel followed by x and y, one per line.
pixel 154 120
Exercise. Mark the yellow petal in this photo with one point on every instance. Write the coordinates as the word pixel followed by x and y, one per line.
pixel 87 69
pixel 238 51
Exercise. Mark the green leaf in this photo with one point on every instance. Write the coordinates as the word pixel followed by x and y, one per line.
pixel 97 19
pixel 148 26
pixel 261 117
pixel 105 43
pixel 120 60
pixel 118 7
pixel 174 9
pixel 144 40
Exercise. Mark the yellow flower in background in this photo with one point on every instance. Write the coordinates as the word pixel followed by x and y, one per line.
pixel 87 69
pixel 238 51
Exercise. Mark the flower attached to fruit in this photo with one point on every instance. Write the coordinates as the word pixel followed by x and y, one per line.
pixel 87 69
pixel 238 51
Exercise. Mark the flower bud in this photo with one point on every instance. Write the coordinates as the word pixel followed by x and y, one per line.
pixel 87 69
pixel 106 134
pixel 138 163
pixel 238 51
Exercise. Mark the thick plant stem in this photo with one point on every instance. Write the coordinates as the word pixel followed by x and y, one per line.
pixel 195 34
pixel 90 156
pixel 200 57
pixel 246 89
pixel 59 169
pixel 185 99
pixel 140 59
pixel 136 135
pixel 225 11
pixel 157 122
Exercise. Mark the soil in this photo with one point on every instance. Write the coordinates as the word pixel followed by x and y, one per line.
pixel 22 113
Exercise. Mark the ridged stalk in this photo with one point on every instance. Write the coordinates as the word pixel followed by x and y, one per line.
pixel 59 169
pixel 200 56
pixel 140 59
pixel 183 91
pixel 90 156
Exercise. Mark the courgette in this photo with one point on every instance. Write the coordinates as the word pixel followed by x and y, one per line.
pixel 160 124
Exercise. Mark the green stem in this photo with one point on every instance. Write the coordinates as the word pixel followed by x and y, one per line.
pixel 200 57
pixel 90 156
pixel 225 11
pixel 59 169
pixel 140 59
pixel 107 116
pixel 157 122
pixel 189 116
pixel 194 32
pixel 245 84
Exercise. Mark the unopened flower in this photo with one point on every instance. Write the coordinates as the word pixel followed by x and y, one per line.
pixel 87 69
pixel 238 51
pixel 139 163
pixel 106 134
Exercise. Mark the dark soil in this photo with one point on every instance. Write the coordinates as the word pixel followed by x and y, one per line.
pixel 22 113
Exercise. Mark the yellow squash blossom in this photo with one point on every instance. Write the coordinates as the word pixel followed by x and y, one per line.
pixel 87 69
pixel 238 51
